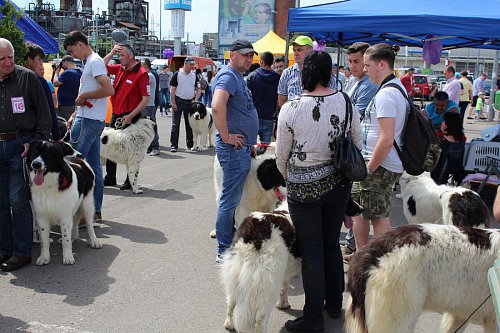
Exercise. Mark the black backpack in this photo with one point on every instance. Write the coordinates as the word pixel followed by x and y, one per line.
pixel 420 151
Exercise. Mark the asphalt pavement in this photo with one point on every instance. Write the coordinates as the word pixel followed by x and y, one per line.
pixel 156 271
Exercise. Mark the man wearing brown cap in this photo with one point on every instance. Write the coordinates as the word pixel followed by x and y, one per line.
pixel 237 122
pixel 69 83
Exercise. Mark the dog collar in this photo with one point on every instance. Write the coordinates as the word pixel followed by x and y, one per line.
pixel 278 194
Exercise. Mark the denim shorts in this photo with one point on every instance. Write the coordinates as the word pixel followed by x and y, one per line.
pixel 374 193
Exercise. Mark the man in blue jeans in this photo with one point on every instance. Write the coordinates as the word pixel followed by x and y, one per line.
pixel 87 122
pixel 25 116
pixel 237 122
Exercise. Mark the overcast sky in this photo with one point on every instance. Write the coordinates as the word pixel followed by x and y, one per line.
pixel 202 18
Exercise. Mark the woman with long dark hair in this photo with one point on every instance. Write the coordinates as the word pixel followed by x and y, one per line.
pixel 308 128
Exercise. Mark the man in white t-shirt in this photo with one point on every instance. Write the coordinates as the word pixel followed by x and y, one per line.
pixel 184 89
pixel 382 125
pixel 87 122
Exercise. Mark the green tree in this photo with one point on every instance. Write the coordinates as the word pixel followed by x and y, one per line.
pixel 9 30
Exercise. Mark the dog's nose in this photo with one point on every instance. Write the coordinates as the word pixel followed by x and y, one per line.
pixel 36 165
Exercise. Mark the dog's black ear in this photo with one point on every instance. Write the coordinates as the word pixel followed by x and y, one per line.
pixel 104 139
pixel 268 174
pixel 67 149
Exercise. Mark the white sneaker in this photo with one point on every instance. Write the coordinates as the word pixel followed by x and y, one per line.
pixel 154 152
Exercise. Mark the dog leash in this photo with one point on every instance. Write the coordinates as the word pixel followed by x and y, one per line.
pixel 120 123
pixel 466 320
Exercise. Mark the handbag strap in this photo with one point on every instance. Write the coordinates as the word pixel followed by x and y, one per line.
pixel 348 112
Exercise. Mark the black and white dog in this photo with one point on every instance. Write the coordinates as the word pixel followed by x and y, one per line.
pixel 260 263
pixel 263 190
pixel 426 202
pixel 416 268
pixel 202 124
pixel 62 192
pixel 128 146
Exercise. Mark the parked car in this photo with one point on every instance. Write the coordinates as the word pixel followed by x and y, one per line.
pixel 421 86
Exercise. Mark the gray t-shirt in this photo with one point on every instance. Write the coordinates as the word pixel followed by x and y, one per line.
pixel 152 89
pixel 242 116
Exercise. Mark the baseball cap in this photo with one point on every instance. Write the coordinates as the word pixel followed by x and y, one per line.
pixel 243 46
pixel 303 40
pixel 190 60
pixel 68 58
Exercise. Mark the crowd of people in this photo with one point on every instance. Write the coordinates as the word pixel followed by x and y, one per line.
pixel 304 106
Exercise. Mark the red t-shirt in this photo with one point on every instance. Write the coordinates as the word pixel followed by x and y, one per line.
pixel 130 86
pixel 406 81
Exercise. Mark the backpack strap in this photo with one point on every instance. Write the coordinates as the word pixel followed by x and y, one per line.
pixel 394 85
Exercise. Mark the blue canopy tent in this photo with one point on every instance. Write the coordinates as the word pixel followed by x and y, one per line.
pixel 403 22
pixel 34 33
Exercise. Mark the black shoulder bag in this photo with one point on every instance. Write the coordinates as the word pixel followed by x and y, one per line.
pixel 348 160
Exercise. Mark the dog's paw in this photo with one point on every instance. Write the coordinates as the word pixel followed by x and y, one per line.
pixel 95 244
pixel 228 324
pixel 138 191
pixel 68 259
pixel 283 304
pixel 213 234
pixel 43 260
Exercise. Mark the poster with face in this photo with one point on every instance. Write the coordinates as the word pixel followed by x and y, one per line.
pixel 245 19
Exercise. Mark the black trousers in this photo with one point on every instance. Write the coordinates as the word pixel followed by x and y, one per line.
pixel 111 166
pixel 317 226
pixel 183 109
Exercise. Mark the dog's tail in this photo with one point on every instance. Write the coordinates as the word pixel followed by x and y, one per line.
pixel 354 321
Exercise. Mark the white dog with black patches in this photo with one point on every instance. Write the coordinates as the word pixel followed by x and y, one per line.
pixel 416 268
pixel 263 190
pixel 426 202
pixel 128 146
pixel 202 124
pixel 62 192
pixel 259 264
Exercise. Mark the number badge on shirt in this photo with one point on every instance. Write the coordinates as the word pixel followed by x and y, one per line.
pixel 18 105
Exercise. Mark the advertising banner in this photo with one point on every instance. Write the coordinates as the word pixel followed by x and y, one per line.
pixel 177 4
pixel 247 19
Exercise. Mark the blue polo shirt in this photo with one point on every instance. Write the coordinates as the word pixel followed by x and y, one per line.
pixel 242 116
pixel 437 118
pixel 68 91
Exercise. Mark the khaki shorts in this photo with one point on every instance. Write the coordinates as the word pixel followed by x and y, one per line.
pixel 374 193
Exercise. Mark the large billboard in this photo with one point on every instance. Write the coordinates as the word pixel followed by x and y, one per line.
pixel 177 4
pixel 247 19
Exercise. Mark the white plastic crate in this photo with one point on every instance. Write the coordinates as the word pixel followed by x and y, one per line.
pixel 477 155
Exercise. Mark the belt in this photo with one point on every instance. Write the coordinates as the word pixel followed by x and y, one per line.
pixel 185 100
pixel 7 136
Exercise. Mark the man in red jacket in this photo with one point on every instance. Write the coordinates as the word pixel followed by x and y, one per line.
pixel 130 99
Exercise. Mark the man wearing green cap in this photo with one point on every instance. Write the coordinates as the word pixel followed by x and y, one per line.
pixel 290 84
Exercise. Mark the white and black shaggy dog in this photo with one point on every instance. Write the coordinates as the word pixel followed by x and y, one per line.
pixel 426 202
pixel 260 262
pixel 263 190
pixel 202 124
pixel 128 146
pixel 416 268
pixel 62 192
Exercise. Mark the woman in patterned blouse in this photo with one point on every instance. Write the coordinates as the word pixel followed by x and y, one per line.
pixel 308 128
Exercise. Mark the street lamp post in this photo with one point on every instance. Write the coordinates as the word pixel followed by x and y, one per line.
pixel 96 30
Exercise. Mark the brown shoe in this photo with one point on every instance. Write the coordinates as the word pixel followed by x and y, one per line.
pixel 347 258
pixel 98 217
pixel 82 223
pixel 14 263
